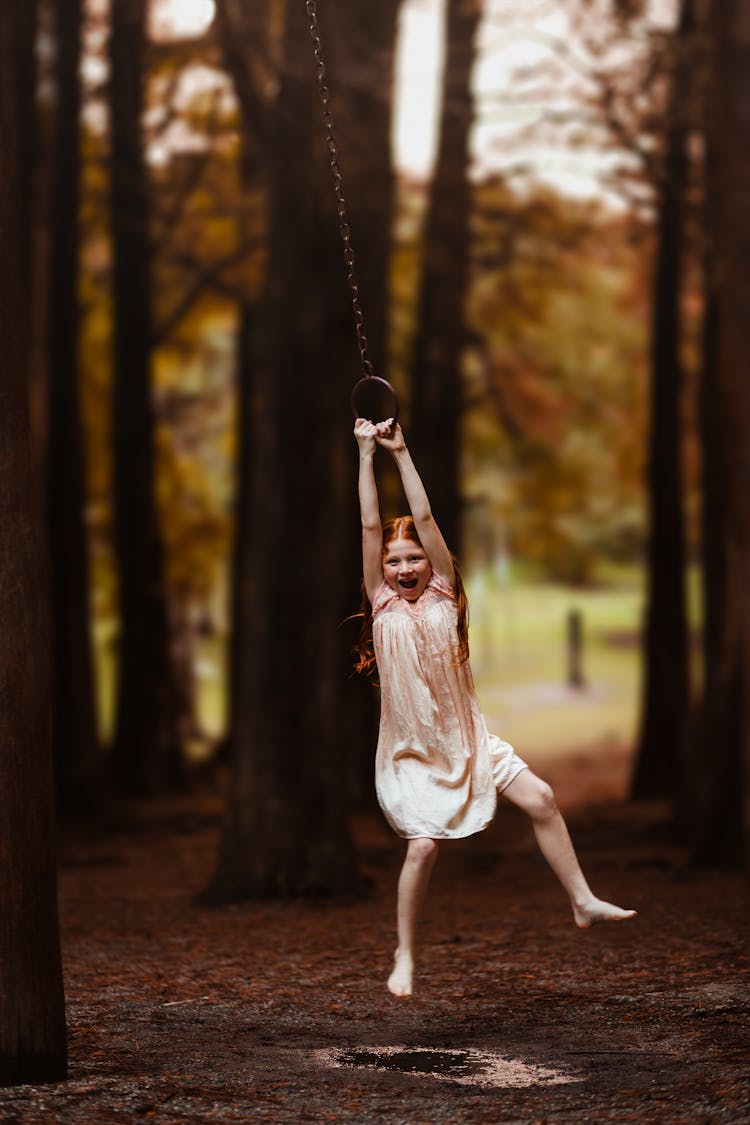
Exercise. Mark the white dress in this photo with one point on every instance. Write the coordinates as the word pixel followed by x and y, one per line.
pixel 437 768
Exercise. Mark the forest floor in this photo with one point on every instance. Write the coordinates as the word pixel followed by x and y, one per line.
pixel 278 1012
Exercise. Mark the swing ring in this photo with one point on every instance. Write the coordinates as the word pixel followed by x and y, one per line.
pixel 383 385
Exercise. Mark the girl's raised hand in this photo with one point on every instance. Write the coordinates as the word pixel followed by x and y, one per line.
pixel 390 438
pixel 365 432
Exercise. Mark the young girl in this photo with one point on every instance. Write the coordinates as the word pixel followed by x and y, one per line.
pixel 437 768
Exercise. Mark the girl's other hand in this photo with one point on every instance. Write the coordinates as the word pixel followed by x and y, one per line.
pixel 392 439
pixel 364 432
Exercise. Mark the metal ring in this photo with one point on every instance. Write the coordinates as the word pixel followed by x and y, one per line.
pixel 369 379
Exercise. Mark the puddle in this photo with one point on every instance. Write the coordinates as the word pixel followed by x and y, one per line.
pixel 449 1064
pixel 469 1067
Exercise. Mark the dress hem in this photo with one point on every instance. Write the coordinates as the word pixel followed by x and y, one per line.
pixel 520 769
pixel 443 835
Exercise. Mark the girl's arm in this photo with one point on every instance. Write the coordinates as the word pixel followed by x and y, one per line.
pixel 428 531
pixel 372 532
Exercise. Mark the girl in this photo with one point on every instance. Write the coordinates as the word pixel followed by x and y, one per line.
pixel 437 768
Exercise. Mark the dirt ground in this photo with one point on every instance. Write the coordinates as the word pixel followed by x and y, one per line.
pixel 278 1012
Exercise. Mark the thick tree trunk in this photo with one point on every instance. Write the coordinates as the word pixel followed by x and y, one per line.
pixel 37 142
pixel 24 51
pixel 665 677
pixel 724 796
pixel 286 829
pixel 75 735
pixel 146 755
pixel 32 1012
pixel 33 217
pixel 359 41
pixel 440 338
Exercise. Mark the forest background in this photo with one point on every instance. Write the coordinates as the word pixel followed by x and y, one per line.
pixel 556 295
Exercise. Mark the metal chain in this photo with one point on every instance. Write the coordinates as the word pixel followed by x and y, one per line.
pixel 338 188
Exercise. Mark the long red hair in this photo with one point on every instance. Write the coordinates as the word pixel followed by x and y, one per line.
pixel 404 528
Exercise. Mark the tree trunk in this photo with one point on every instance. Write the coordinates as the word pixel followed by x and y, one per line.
pixel 724 795
pixel 24 32
pixel 440 337
pixel 359 40
pixel 75 735
pixel 146 754
pixel 33 216
pixel 286 828
pixel 32 1012
pixel 666 677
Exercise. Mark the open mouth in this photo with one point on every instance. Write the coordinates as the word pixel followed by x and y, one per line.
pixel 408 583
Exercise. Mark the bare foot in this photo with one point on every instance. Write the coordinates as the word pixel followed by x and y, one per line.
pixel 596 910
pixel 400 980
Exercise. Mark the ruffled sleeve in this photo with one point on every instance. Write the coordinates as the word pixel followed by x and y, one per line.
pixel 441 587
pixel 384 595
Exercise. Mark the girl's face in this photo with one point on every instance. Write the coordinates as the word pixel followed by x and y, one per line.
pixel 406 568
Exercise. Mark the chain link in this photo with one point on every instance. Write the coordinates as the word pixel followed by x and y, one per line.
pixel 338 187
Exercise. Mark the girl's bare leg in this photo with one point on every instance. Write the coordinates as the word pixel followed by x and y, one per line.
pixel 412 884
pixel 536 798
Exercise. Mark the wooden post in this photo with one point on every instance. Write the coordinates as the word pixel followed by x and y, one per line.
pixel 575 649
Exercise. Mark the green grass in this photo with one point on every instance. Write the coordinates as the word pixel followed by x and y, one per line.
pixel 518 646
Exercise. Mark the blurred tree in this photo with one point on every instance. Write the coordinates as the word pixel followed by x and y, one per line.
pixel 196 268
pixel 661 745
pixel 249 51
pixel 360 37
pixel 360 40
pixel 557 296
pixel 286 825
pixel 195 408
pixel 95 396
pixel 555 386
pixel 146 754
pixel 441 327
pixel 32 1013
pixel 722 769
pixel 74 731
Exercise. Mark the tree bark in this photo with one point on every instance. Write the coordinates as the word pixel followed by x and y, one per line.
pixel 24 32
pixel 146 755
pixel 32 1013
pixel 666 695
pixel 723 813
pixel 286 829
pixel 440 337
pixel 359 40
pixel 75 734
